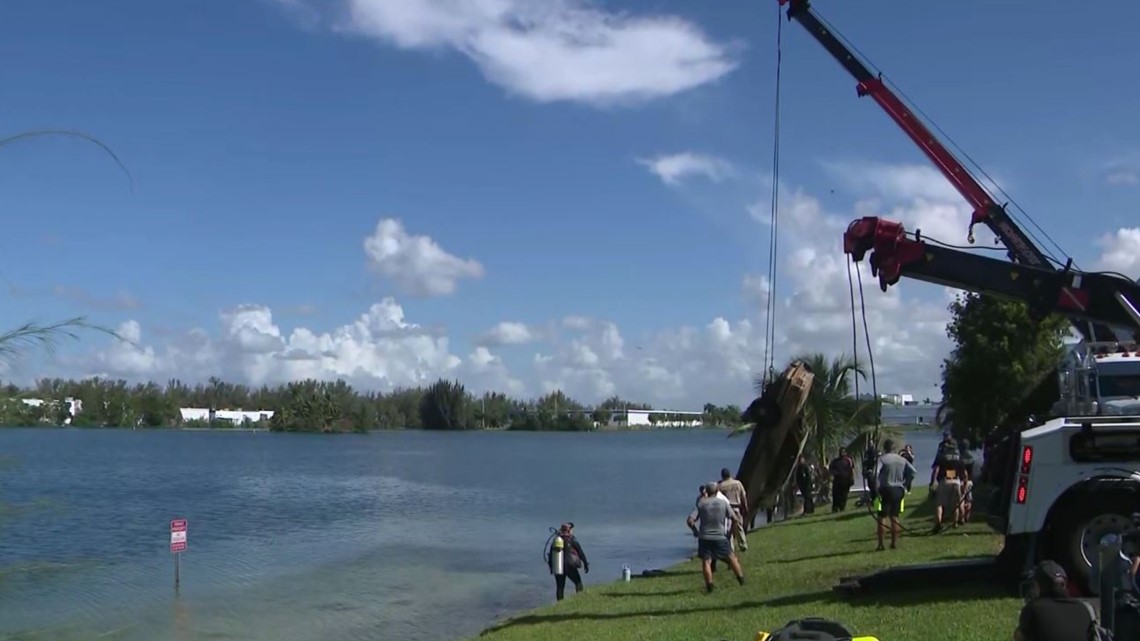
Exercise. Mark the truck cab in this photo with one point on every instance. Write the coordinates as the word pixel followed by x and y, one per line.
pixel 1056 490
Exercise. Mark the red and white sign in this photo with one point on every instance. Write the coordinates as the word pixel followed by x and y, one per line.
pixel 178 535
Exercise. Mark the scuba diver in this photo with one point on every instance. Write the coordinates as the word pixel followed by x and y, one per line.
pixel 564 558
pixel 870 480
pixel 805 473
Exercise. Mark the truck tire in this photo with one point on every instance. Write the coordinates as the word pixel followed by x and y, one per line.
pixel 1076 534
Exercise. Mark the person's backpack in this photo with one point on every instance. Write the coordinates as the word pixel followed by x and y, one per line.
pixel 1097 632
pixel 572 558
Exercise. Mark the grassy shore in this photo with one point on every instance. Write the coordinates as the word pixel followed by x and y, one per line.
pixel 790 569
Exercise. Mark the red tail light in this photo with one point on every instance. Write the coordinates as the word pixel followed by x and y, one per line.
pixel 1022 489
pixel 1023 479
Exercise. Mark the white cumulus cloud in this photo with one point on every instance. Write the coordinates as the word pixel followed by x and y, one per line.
pixel 380 349
pixel 508 333
pixel 549 50
pixel 1120 252
pixel 673 169
pixel 591 357
pixel 416 264
pixel 1123 171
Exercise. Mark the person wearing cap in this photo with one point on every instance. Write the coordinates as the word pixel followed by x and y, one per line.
pixel 712 523
pixel 733 490
pixel 1049 614
pixel 947 448
pixel 701 494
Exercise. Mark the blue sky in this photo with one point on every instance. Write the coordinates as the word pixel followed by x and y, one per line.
pixel 267 139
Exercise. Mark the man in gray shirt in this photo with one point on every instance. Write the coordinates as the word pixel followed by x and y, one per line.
pixel 893 474
pixel 717 519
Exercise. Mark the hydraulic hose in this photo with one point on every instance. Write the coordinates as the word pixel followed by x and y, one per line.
pixel 546 545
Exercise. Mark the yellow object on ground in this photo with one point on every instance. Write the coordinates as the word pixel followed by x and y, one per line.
pixel 764 636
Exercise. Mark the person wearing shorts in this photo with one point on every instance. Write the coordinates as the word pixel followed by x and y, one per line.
pixel 948 494
pixel 892 475
pixel 716 520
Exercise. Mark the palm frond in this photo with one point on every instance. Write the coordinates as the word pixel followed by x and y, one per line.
pixel 46 337
pixel 39 133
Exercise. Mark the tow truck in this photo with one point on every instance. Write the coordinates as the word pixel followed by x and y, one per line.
pixel 1053 485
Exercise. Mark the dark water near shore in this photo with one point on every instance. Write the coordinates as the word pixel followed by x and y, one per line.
pixel 402 535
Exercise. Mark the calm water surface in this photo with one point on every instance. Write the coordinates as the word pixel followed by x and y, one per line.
pixel 398 535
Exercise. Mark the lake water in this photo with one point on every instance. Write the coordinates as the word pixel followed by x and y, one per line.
pixel 394 535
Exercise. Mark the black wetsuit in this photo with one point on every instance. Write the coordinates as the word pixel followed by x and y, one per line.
pixel 909 459
pixel 803 483
pixel 870 461
pixel 572 558
pixel 842 478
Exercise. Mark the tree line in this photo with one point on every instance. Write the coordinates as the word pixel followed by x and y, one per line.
pixel 1000 353
pixel 321 406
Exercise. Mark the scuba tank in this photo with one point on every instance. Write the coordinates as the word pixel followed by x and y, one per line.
pixel 556 556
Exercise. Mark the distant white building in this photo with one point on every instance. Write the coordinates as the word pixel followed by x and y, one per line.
pixel 74 406
pixel 898 399
pixel 654 418
pixel 236 417
pixel 902 409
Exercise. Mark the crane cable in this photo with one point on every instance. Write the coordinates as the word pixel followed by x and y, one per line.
pixel 774 220
pixel 854 266
pixel 870 351
pixel 874 380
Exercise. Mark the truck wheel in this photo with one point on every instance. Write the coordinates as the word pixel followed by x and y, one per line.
pixel 1078 533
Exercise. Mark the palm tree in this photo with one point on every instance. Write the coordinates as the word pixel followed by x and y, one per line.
pixel 833 415
pixel 15 342
pixel 831 411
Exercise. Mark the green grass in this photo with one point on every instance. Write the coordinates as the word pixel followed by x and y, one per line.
pixel 790 570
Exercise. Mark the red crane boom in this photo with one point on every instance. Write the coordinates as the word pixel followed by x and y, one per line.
pixel 1091 300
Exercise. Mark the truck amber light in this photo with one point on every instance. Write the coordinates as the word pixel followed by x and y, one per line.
pixel 1026 459
pixel 1022 490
